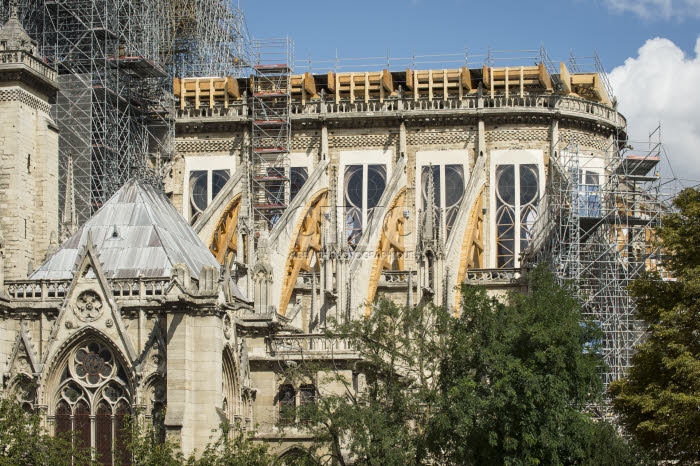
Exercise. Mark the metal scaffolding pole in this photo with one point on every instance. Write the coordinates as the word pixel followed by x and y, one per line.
pixel 116 61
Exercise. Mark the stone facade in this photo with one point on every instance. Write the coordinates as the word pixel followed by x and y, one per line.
pixel 403 190
pixel 28 153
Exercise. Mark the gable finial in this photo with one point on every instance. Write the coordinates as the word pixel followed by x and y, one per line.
pixel 13 9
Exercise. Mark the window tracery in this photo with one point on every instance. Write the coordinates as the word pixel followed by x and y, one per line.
pixel 363 188
pixel 92 400
pixel 517 200
pixel 449 186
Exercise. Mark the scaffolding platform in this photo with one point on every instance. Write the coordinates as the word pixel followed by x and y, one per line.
pixel 281 68
pixel 637 165
pixel 139 66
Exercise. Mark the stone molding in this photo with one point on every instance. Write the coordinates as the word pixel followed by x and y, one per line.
pixel 306 143
pixel 209 145
pixel 515 135
pixel 584 139
pixel 440 138
pixel 22 96
pixel 364 140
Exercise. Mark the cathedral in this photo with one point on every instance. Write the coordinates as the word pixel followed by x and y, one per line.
pixel 292 201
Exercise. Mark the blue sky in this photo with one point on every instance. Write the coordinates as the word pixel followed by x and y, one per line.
pixel 647 46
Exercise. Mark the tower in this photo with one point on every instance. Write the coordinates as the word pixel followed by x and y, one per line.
pixel 28 150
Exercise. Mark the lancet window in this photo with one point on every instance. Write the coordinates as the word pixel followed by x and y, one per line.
pixel 363 188
pixel 92 401
pixel 449 185
pixel 204 185
pixel 517 199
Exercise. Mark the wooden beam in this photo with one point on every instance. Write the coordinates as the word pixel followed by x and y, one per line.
pixel 545 79
pixel 310 84
pixel 232 88
pixel 565 78
pixel 486 76
pixel 409 79
pixel 466 78
pixel 387 81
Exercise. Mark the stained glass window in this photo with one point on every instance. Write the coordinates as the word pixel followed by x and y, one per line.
pixel 93 402
pixel 517 200
pixel 364 187
pixel 448 181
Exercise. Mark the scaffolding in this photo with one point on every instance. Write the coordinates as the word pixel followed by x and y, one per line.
pixel 271 130
pixel 598 234
pixel 116 60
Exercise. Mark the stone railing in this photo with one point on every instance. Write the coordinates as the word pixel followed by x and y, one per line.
pixel 38 290
pixel 236 109
pixel 315 344
pixel 41 290
pixel 471 102
pixel 29 60
pixel 142 288
pixel 398 277
pixel 509 276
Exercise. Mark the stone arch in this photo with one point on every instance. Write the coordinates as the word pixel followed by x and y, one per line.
pixel 232 401
pixel 292 455
pixel 23 388
pixel 47 384
pixel 154 401
pixel 90 391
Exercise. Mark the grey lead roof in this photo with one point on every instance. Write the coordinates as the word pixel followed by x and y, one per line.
pixel 136 233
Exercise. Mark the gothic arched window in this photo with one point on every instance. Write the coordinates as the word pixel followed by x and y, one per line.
pixel 449 185
pixel 92 400
pixel 517 199
pixel 364 186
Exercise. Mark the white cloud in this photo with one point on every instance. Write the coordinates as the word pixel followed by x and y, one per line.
pixel 662 85
pixel 657 8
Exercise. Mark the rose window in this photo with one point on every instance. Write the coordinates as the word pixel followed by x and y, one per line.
pixel 93 363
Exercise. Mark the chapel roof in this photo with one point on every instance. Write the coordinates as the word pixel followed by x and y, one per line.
pixel 136 233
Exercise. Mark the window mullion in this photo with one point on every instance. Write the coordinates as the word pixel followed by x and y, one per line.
pixel 517 214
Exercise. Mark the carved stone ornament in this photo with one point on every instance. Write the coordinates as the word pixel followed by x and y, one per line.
pixel 227 327
pixel 88 306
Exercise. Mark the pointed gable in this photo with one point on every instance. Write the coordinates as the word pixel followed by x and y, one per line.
pixel 138 232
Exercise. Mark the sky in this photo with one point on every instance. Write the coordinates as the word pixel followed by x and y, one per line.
pixel 649 48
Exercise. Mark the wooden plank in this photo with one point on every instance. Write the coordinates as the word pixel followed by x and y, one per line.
pixel 444 85
pixel 310 84
pixel 565 78
pixel 366 87
pixel 466 78
pixel 211 94
pixel 331 81
pixel 232 87
pixel 176 87
pixel 545 79
pixel 409 79
pixel 486 76
pixel 600 90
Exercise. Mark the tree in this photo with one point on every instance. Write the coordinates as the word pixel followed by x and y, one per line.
pixel 384 421
pixel 24 441
pixel 659 398
pixel 234 447
pixel 515 380
pixel 148 445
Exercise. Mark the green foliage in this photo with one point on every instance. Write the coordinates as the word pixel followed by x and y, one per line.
pixel 659 399
pixel 148 444
pixel 23 441
pixel 515 380
pixel 234 447
pixel 384 423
